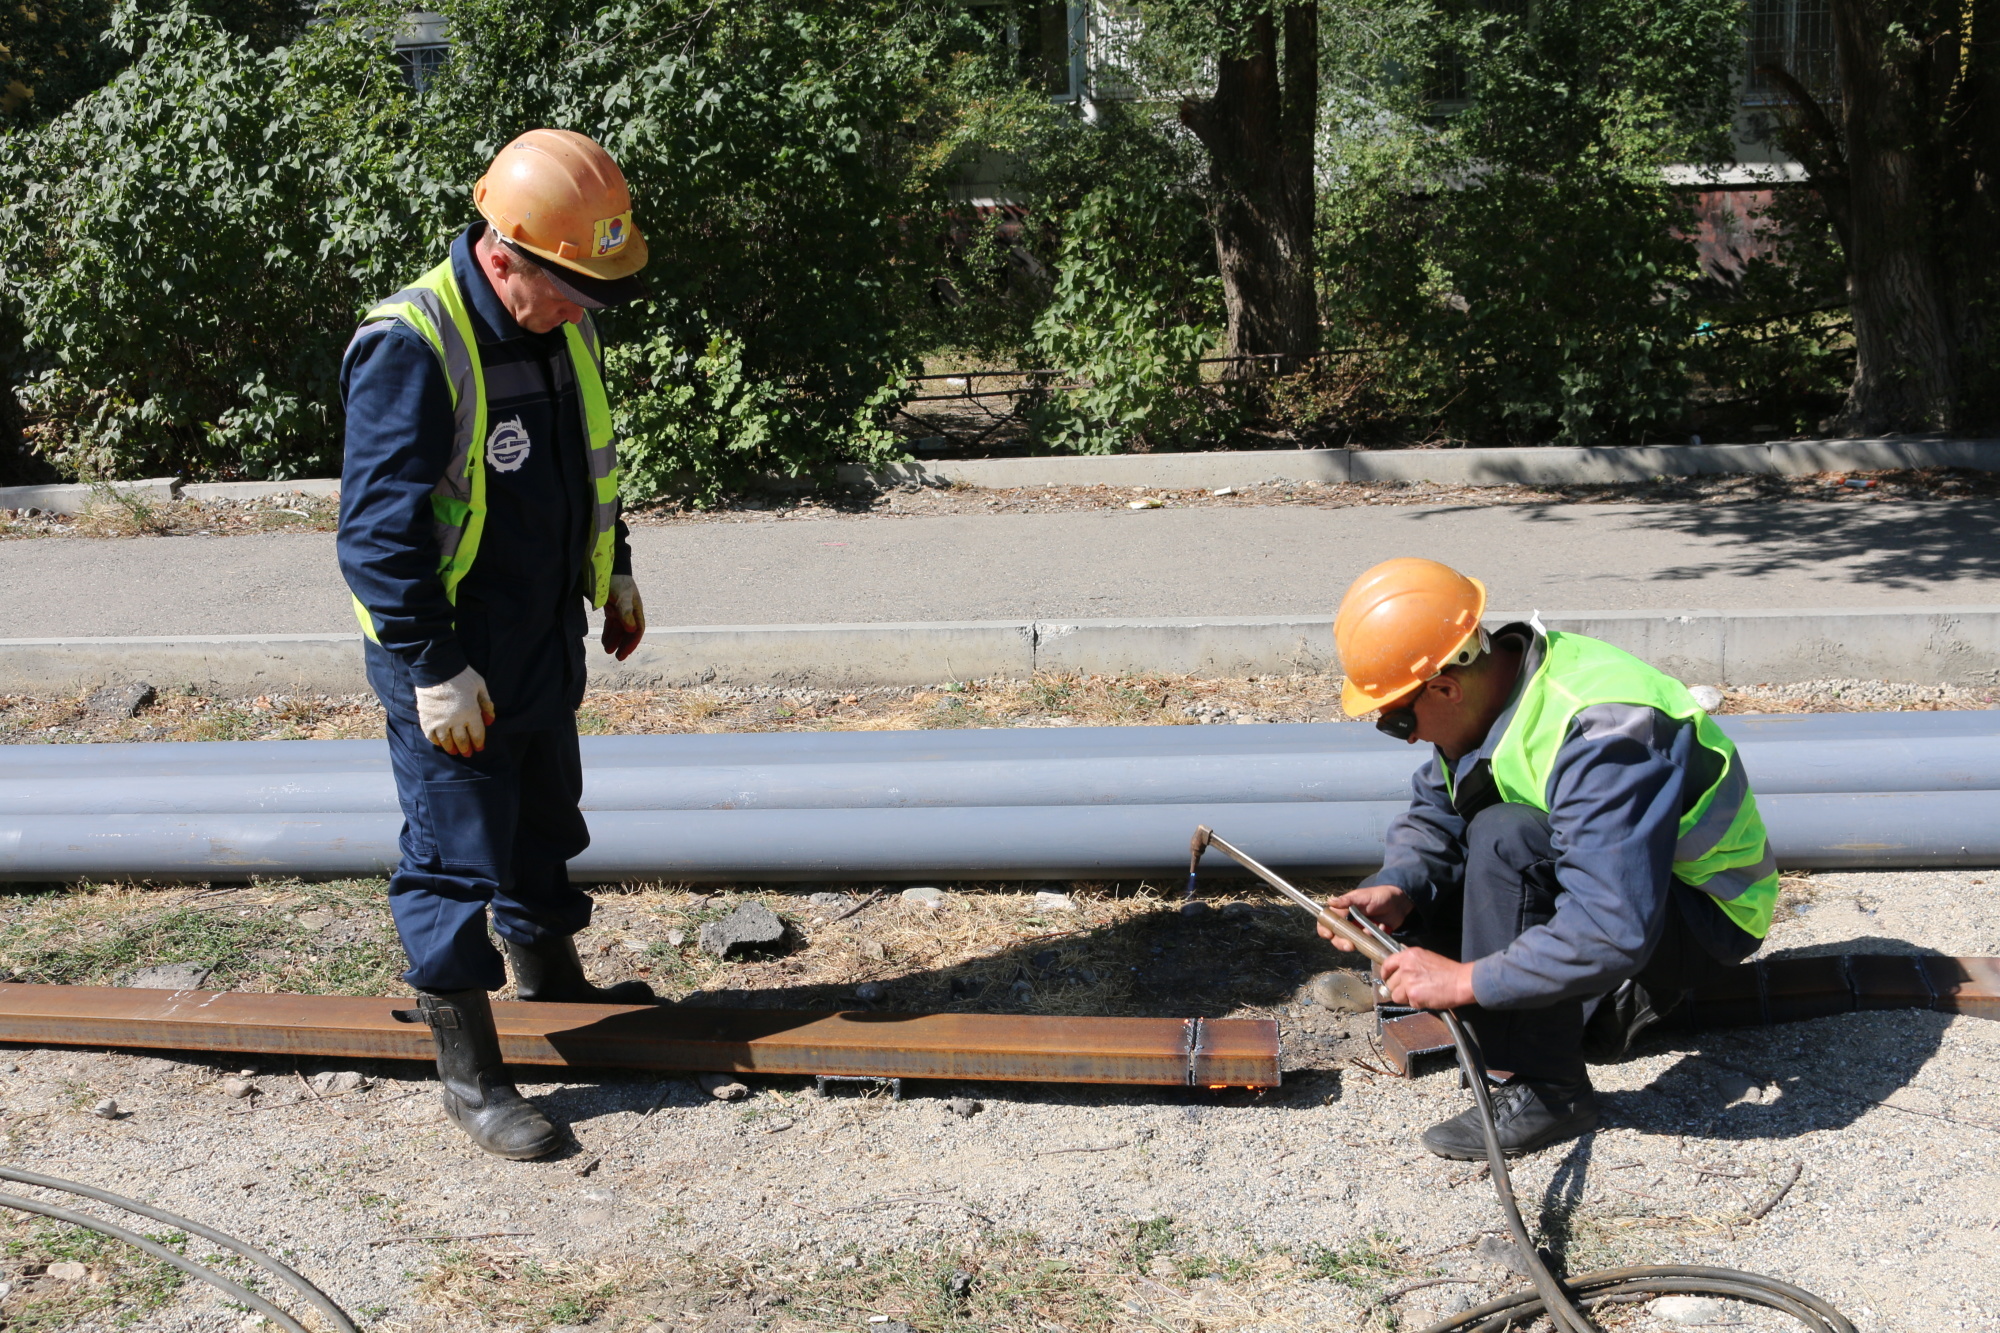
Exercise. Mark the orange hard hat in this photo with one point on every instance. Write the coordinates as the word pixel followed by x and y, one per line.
pixel 558 196
pixel 1400 624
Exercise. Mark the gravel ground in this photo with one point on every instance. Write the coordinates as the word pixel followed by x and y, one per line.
pixel 1071 1208
pixel 132 517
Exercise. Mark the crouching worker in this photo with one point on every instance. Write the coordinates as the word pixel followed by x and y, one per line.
pixel 479 514
pixel 1582 849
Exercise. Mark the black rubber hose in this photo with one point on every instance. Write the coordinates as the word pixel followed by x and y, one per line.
pixel 285 1274
pixel 1565 1303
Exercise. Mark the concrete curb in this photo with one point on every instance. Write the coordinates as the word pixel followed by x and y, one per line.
pixel 1957 645
pixel 74 498
pixel 1249 467
pixel 1452 467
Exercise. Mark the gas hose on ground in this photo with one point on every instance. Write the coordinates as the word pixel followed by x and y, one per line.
pixel 284 1273
pixel 1563 1302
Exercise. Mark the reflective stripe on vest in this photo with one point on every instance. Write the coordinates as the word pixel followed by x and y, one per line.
pixel 1722 848
pixel 436 309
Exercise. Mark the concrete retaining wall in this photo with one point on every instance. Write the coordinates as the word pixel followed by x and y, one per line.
pixel 1957 645
pixel 74 499
pixel 1454 467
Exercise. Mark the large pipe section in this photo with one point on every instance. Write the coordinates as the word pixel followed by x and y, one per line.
pixel 965 842
pixel 1837 790
pixel 1300 771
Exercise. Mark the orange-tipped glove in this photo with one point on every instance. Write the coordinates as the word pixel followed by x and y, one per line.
pixel 624 617
pixel 456 713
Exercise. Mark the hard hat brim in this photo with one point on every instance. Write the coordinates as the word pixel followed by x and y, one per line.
pixel 586 289
pixel 1355 701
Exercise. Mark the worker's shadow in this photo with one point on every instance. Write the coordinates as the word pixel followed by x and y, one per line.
pixel 1786 1079
pixel 1248 959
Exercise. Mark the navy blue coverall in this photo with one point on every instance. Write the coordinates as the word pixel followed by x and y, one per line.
pixel 497 828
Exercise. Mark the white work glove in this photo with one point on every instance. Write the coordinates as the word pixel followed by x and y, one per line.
pixel 624 617
pixel 456 713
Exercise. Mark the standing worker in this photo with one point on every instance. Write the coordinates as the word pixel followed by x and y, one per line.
pixel 1582 849
pixel 479 513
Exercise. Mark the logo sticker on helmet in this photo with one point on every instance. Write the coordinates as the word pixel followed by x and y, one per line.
pixel 507 447
pixel 611 234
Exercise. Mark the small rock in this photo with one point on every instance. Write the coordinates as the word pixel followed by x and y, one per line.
pixel 1194 911
pixel 315 920
pixel 107 1109
pixel 633 946
pixel 723 1087
pixel 889 1326
pixel 1690 1310
pixel 676 938
pixel 168 976
pixel 875 950
pixel 1343 992
pixel 831 904
pixel 964 1107
pixel 868 992
pixel 120 701
pixel 847 1261
pixel 1238 911
pixel 238 1087
pixel 1499 1250
pixel 1161 1266
pixel 929 899
pixel 10 1068
pixel 339 1080
pixel 959 1284
pixel 1049 901
pixel 950 704
pixel 1708 699
pixel 750 926
pixel 68 1271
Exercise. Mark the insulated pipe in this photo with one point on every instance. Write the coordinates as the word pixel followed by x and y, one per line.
pixel 1904 829
pixel 1009 842
pixel 1376 774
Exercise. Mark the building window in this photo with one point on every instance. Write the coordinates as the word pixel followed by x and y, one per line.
pixel 421 48
pixel 1797 37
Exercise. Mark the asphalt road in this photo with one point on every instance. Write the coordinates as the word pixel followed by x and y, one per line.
pixel 1276 561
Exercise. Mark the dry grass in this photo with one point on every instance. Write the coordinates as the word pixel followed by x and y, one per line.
pixel 112 513
pixel 1120 949
pixel 997 1282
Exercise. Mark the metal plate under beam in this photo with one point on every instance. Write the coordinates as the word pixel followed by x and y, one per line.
pixel 1161 1051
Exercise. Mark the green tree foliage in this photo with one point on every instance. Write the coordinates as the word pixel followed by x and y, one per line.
pixel 1516 251
pixel 161 243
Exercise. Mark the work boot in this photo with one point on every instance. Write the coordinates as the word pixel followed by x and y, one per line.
pixel 551 971
pixel 1526 1115
pixel 476 1093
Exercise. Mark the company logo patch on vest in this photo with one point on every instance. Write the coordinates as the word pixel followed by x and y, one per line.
pixel 507 447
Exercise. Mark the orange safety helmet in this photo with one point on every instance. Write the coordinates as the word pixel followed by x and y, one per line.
pixel 558 196
pixel 1399 625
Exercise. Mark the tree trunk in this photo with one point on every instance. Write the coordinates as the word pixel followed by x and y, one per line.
pixel 1908 165
pixel 1259 129
pixel 1905 362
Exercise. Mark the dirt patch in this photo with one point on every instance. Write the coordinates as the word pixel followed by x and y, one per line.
pixel 1046 701
pixel 119 514
pixel 911 500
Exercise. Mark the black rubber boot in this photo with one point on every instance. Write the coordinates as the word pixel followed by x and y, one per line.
pixel 551 971
pixel 1527 1115
pixel 476 1094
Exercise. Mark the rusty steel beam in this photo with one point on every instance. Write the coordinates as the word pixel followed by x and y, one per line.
pixel 1780 990
pixel 1784 990
pixel 1027 1048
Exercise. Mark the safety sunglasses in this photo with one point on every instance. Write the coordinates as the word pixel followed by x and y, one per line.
pixel 1398 722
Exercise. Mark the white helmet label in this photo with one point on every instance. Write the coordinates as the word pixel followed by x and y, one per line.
pixel 507 447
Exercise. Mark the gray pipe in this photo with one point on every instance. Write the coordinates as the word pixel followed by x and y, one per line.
pixel 1009 842
pixel 1374 774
